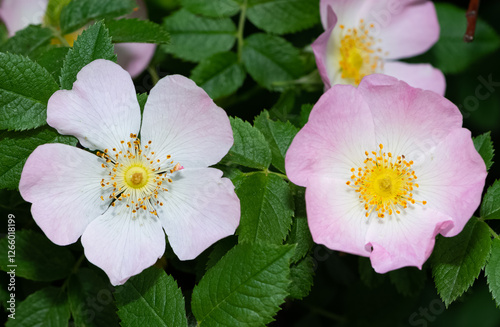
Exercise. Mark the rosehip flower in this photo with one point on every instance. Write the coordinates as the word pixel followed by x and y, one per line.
pixel 121 198
pixel 18 14
pixel 386 168
pixel 364 37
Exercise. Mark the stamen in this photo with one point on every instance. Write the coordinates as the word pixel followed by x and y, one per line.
pixel 135 175
pixel 385 184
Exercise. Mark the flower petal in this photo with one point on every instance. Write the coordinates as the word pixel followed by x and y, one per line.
pixel 408 121
pixel 123 245
pixel 17 14
pixel 199 209
pixel 407 29
pixel 335 216
pixel 339 131
pixel 63 184
pixel 322 53
pixel 100 110
pixel 406 239
pixel 347 11
pixel 452 178
pixel 134 57
pixel 423 76
pixel 182 121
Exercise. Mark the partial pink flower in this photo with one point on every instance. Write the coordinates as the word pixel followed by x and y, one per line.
pixel 125 197
pixel 134 57
pixel 386 168
pixel 364 37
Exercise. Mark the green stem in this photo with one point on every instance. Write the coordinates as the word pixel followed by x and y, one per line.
pixel 327 314
pixel 267 172
pixel 73 271
pixel 154 75
pixel 57 34
pixel 492 232
pixel 241 28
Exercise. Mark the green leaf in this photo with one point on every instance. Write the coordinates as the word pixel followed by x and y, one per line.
pixel 490 207
pixel 53 12
pixel 305 111
pixel 492 271
pixel 301 275
pixel 28 40
pixel 212 8
pixel 91 300
pixel 25 89
pixel 271 60
pixel 142 98
pixel 484 146
pixel 219 75
pixel 94 43
pixel 195 38
pixel 283 16
pixel 220 249
pixel 245 288
pixel 250 148
pixel 453 55
pixel 137 30
pixel 151 299
pixel 36 257
pixel 282 108
pixel 16 147
pixel 299 233
pixel 279 135
pixel 368 275
pixel 457 261
pixel 46 307
pixel 53 61
pixel 266 208
pixel 409 281
pixel 80 12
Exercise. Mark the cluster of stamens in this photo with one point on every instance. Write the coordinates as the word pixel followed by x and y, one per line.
pixel 385 184
pixel 136 175
pixel 358 56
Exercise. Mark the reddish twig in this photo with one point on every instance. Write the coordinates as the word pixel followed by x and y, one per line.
pixel 471 20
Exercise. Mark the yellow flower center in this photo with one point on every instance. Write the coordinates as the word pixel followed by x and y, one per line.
pixel 385 184
pixel 136 175
pixel 358 56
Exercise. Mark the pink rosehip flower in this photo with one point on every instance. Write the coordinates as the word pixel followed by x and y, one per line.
pixel 120 199
pixel 134 57
pixel 386 168
pixel 364 37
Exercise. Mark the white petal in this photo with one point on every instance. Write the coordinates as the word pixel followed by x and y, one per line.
pixel 102 108
pixel 122 243
pixel 199 209
pixel 63 183
pixel 182 121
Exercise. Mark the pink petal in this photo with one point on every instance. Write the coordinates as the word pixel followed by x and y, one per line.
pixel 199 209
pixel 452 179
pixel 102 108
pixel 321 51
pixel 409 30
pixel 182 121
pixel 123 245
pixel 406 239
pixel 408 121
pixel 339 131
pixel 17 14
pixel 335 216
pixel 347 11
pixel 423 76
pixel 134 57
pixel 63 184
